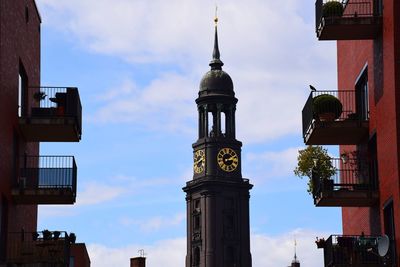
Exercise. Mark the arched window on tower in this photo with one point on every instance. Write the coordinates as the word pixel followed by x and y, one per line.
pixel 223 123
pixel 230 257
pixel 196 256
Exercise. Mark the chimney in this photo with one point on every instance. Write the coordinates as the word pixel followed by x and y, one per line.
pixel 138 262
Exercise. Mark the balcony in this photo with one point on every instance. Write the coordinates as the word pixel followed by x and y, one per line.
pixel 45 180
pixel 356 251
pixel 348 19
pixel 42 248
pixel 349 127
pixel 354 184
pixel 51 114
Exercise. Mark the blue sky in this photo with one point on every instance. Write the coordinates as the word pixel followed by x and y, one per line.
pixel 138 65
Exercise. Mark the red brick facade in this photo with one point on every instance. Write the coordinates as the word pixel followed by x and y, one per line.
pixel 381 58
pixel 19 46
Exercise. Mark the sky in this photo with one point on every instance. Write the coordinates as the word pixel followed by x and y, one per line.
pixel 138 65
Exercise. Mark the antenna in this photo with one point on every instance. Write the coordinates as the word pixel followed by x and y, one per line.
pixel 141 253
pixel 383 245
pixel 216 14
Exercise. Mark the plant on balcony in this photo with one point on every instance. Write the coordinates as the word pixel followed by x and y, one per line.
pixel 46 234
pixel 39 96
pixel 327 107
pixel 321 242
pixel 332 9
pixel 72 238
pixel 314 160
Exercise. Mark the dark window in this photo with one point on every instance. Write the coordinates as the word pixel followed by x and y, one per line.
pixel 26 14
pixel 3 228
pixel 388 219
pixel 196 222
pixel 229 256
pixel 196 256
pixel 362 103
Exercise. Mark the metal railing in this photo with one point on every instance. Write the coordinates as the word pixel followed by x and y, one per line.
pixel 39 247
pixel 354 107
pixel 40 172
pixel 351 174
pixel 352 250
pixel 54 102
pixel 350 9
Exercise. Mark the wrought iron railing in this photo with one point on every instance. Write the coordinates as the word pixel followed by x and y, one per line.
pixel 40 172
pixel 352 250
pixel 351 9
pixel 354 106
pixel 52 247
pixel 54 102
pixel 350 174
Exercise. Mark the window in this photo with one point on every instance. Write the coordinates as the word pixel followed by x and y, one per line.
pixel 26 14
pixel 72 261
pixel 362 103
pixel 388 220
pixel 22 89
pixel 3 228
pixel 196 256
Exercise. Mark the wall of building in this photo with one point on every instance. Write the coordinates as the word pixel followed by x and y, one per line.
pixel 80 255
pixel 382 58
pixel 19 43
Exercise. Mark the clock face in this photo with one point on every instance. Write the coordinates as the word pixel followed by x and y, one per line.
pixel 227 159
pixel 199 161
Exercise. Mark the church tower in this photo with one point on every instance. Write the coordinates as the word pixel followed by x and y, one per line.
pixel 218 230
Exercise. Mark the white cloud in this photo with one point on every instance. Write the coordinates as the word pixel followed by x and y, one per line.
pixel 166 103
pixel 96 193
pixel 155 223
pixel 269 49
pixel 266 251
pixel 274 164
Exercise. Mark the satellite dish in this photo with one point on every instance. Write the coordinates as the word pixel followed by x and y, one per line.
pixel 383 245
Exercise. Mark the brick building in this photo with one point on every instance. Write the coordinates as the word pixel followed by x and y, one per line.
pixel 365 126
pixel 29 114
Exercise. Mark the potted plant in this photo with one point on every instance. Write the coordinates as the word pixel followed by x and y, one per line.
pixel 315 163
pixel 46 234
pixel 327 107
pixel 56 235
pixel 321 242
pixel 332 9
pixel 72 238
pixel 39 96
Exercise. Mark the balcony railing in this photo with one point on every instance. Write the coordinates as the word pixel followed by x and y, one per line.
pixel 350 126
pixel 354 184
pixel 52 248
pixel 46 180
pixel 351 20
pixel 52 114
pixel 351 250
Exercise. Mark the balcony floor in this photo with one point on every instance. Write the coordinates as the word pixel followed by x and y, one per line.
pixel 347 132
pixel 347 198
pixel 43 196
pixel 349 28
pixel 54 129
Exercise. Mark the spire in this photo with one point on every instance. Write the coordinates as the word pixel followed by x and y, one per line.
pixel 216 63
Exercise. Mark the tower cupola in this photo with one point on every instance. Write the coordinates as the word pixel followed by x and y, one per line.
pixel 216 81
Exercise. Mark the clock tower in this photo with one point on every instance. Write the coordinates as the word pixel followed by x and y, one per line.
pixel 218 231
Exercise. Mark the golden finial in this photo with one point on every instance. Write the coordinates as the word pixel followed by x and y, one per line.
pixel 216 15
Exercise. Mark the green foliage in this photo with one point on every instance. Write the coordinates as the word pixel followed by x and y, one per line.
pixel 326 103
pixel 332 9
pixel 314 158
